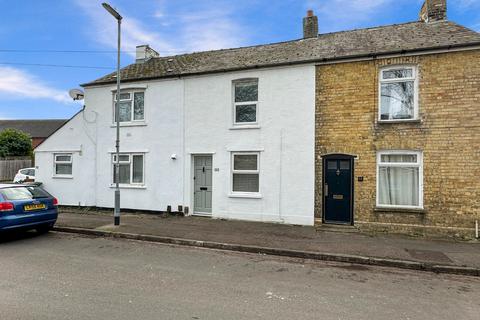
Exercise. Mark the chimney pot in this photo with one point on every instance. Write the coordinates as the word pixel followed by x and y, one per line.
pixel 310 25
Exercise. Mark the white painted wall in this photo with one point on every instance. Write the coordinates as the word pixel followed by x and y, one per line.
pixel 286 136
pixel 194 116
pixel 76 137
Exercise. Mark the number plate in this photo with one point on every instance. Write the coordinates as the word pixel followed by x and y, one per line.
pixel 32 207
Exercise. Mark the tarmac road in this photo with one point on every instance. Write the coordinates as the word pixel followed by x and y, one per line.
pixel 63 276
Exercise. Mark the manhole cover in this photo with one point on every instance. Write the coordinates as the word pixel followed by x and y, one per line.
pixel 429 255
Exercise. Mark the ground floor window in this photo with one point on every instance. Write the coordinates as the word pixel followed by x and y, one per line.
pixel 62 163
pixel 399 179
pixel 131 168
pixel 245 172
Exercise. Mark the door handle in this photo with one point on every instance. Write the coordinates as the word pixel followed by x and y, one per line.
pixel 326 190
pixel 203 188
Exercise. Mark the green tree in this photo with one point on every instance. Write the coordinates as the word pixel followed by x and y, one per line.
pixel 15 143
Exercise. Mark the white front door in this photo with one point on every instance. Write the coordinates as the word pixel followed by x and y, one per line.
pixel 202 193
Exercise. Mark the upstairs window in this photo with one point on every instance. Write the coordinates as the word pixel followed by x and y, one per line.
pixel 131 106
pixel 399 179
pixel 131 169
pixel 62 164
pixel 398 94
pixel 245 101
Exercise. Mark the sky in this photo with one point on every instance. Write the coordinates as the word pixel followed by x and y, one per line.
pixel 39 39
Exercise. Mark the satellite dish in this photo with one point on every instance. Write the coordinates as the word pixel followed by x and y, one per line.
pixel 76 94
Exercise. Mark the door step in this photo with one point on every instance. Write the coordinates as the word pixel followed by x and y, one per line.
pixel 338 228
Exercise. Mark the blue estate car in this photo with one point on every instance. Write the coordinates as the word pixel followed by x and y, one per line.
pixel 27 207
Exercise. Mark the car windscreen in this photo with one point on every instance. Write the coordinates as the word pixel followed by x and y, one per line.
pixel 23 193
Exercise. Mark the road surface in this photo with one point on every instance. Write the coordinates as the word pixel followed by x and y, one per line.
pixel 63 276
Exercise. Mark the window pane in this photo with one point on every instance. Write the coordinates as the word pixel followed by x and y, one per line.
pixel 23 193
pixel 344 165
pixel 245 183
pixel 412 158
pixel 137 169
pixel 123 158
pixel 397 100
pixel 123 96
pixel 124 174
pixel 246 113
pixel 31 172
pixel 245 162
pixel 138 106
pixel 332 165
pixel 246 91
pixel 125 111
pixel 63 168
pixel 398 186
pixel 397 73
pixel 63 158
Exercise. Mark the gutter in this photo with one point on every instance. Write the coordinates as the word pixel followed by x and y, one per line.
pixel 349 58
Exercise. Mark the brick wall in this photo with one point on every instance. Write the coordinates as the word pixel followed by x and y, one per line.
pixel 448 133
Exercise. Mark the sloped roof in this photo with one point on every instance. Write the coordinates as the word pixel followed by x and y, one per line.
pixel 35 128
pixel 398 38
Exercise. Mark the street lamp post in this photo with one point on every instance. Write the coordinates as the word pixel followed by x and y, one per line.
pixel 116 212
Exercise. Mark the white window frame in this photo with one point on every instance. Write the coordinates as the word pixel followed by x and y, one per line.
pixel 236 104
pixel 55 162
pixel 130 162
pixel 418 164
pixel 132 101
pixel 381 81
pixel 233 171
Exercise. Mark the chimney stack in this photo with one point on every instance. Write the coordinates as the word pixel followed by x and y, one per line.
pixel 144 53
pixel 310 25
pixel 433 10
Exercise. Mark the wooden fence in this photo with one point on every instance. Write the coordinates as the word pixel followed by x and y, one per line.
pixel 10 166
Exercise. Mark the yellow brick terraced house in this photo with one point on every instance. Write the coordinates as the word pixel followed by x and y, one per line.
pixel 398 133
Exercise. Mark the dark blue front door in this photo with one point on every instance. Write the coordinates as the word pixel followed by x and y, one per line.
pixel 337 190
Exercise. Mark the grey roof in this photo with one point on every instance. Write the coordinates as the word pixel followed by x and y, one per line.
pixel 398 38
pixel 35 128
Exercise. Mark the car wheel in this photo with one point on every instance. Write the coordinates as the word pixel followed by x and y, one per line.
pixel 44 229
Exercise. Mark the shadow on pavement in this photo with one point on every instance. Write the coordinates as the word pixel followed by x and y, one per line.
pixel 19 235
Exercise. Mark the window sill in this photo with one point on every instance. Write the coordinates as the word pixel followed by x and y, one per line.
pixel 246 126
pixel 130 124
pixel 245 195
pixel 128 186
pixel 62 177
pixel 400 210
pixel 415 121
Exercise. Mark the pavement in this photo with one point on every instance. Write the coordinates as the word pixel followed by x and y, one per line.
pixel 284 240
pixel 69 276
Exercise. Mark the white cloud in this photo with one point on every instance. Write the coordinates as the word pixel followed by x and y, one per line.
pixel 205 28
pixel 16 83
pixel 104 29
pixel 467 3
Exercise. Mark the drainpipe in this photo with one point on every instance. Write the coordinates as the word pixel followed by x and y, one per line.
pixel 280 178
pixel 476 229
